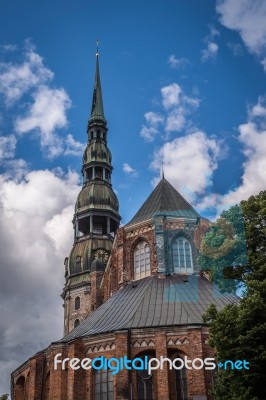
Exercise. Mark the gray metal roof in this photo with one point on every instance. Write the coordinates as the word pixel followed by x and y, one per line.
pixel 153 302
pixel 164 198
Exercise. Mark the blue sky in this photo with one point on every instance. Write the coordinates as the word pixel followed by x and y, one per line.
pixel 183 84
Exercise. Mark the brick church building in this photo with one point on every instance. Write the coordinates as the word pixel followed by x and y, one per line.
pixel 132 291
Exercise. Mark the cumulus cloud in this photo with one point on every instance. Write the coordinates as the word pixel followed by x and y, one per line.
pixel 175 62
pixel 46 114
pixel 212 47
pixel 15 169
pixel 7 147
pixel 171 95
pixel 28 85
pixel 35 236
pixel 73 147
pixel 150 129
pixel 252 136
pixel 18 79
pixel 248 18
pixel 176 107
pixel 189 162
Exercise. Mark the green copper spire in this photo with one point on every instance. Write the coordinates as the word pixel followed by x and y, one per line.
pixel 97 112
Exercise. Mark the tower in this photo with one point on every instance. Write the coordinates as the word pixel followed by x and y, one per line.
pixel 95 221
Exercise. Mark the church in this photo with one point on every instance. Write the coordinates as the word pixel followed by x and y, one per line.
pixel 134 291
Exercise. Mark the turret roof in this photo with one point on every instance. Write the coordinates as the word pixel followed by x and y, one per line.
pixel 164 198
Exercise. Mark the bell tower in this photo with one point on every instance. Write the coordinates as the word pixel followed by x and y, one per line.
pixel 96 217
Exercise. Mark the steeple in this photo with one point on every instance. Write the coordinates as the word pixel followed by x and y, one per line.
pixel 96 218
pixel 97 112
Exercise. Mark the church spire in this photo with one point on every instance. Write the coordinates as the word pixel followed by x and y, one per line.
pixel 97 112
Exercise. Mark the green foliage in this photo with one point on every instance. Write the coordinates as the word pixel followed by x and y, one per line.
pixel 4 397
pixel 238 332
pixel 223 250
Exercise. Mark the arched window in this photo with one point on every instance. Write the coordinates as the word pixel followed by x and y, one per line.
pixel 20 388
pixel 182 256
pixel 77 303
pixel 142 260
pixel 178 387
pixel 78 264
pixel 145 385
pixel 103 384
pixel 76 323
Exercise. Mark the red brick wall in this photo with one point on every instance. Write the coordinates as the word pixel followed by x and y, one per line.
pixel 78 385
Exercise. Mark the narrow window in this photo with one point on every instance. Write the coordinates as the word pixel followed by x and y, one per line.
pixel 142 260
pixel 78 264
pixel 76 323
pixel 145 386
pixel 178 385
pixel 181 384
pixel 103 385
pixel 182 256
pixel 77 303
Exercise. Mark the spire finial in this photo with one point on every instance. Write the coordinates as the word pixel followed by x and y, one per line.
pixel 97 47
pixel 162 172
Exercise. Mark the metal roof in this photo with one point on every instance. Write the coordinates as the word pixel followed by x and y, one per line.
pixel 152 302
pixel 164 198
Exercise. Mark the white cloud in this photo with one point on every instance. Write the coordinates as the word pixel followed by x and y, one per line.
pixel 252 135
pixel 7 147
pixel 175 62
pixel 189 162
pixel 210 51
pixel 35 236
pixel 259 109
pixel 176 120
pixel 17 79
pixel 212 47
pixel 248 18
pixel 73 147
pixel 177 106
pixel 45 106
pixel 149 131
pixel 153 118
pixel 15 169
pixel 129 170
pixel 46 114
pixel 171 95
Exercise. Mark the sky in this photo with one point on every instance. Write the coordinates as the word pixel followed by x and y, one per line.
pixel 183 86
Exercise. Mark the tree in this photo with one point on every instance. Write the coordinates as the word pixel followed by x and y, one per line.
pixel 223 251
pixel 4 397
pixel 238 331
